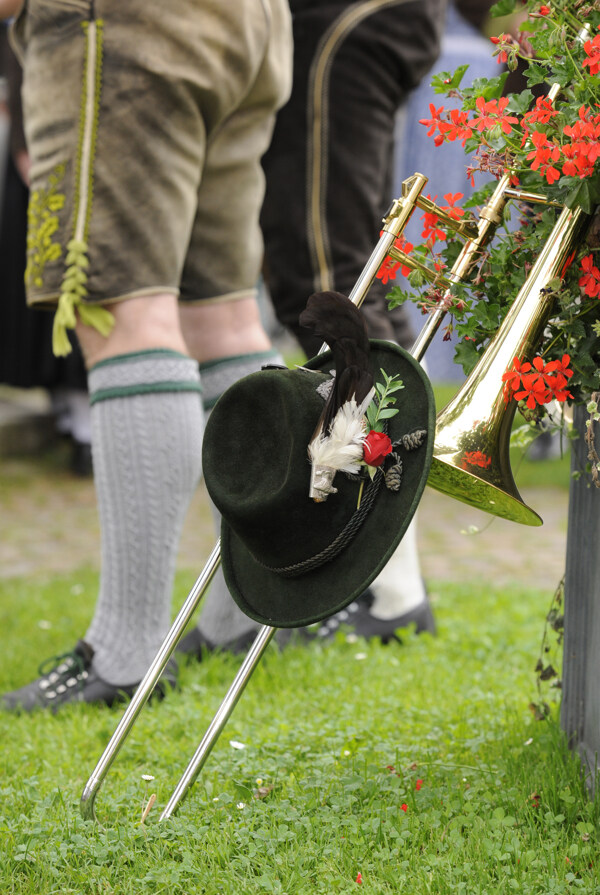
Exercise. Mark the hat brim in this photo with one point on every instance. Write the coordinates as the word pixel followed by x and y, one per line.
pixel 270 599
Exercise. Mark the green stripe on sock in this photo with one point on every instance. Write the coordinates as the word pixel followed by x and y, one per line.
pixel 220 374
pixel 126 391
pixel 135 355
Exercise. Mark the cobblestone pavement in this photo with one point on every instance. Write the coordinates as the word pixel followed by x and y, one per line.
pixel 49 525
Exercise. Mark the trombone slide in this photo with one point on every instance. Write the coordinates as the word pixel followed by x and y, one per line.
pixel 394 223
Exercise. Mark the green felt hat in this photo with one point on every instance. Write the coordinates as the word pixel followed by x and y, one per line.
pixel 289 561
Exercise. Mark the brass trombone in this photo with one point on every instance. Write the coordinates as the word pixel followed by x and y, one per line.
pixel 478 419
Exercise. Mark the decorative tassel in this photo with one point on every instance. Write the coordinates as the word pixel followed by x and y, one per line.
pixel 413 440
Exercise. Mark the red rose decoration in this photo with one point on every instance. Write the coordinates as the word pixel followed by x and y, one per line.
pixel 376 447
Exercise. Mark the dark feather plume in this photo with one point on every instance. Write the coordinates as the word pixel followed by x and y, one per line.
pixel 336 320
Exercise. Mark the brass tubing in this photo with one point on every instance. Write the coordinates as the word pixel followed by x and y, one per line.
pixel 147 685
pixel 533 198
pixel 432 275
pixel 491 215
pixel 466 228
pixel 393 224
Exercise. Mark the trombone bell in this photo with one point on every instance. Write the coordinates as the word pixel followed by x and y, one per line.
pixel 471 453
pixel 471 459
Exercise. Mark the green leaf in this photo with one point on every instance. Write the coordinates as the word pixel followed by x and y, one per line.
pixel 466 355
pixel 372 414
pixel 582 195
pixel 446 80
pixel 489 88
pixel 520 103
pixel 417 279
pixel 503 8
pixel 536 74
pixel 529 27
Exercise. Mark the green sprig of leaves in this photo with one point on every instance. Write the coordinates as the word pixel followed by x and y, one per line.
pixel 380 408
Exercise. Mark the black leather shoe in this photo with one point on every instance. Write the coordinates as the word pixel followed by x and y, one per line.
pixel 71 678
pixel 197 645
pixel 356 619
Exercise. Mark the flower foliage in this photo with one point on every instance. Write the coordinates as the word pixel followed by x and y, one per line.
pixel 547 146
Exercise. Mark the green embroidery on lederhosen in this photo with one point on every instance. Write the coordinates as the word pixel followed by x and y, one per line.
pixel 42 224
pixel 74 284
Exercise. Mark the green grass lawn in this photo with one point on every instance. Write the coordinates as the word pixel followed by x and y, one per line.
pixel 419 767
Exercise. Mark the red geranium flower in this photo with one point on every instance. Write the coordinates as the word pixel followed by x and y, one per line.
pixel 430 227
pixel 583 150
pixel 430 219
pixel 450 208
pixel 590 279
pixel 512 377
pixel 390 268
pixel 539 382
pixel 457 126
pixel 433 122
pixel 543 155
pixel 492 113
pixel 542 113
pixel 592 51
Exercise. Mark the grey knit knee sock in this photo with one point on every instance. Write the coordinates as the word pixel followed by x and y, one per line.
pixel 147 425
pixel 221 620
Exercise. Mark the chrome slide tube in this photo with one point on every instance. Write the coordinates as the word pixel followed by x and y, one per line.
pixel 221 717
pixel 147 685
